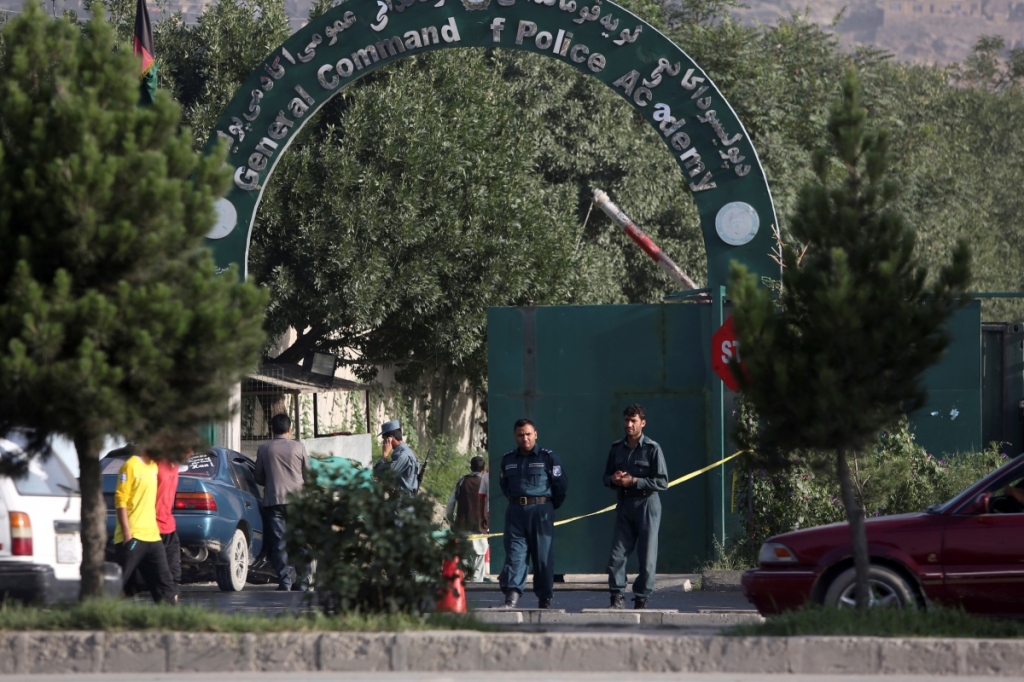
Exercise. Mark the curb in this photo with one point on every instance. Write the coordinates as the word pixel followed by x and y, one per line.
pixel 122 652
pixel 614 617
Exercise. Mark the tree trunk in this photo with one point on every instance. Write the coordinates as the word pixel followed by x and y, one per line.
pixel 858 532
pixel 94 516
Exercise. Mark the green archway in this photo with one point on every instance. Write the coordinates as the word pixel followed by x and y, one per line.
pixel 597 37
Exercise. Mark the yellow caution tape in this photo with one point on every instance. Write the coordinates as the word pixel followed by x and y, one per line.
pixel 681 479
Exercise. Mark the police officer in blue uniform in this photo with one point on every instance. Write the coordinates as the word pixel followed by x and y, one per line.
pixel 636 470
pixel 399 458
pixel 535 485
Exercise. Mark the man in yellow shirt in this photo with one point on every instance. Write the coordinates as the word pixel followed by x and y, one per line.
pixel 137 538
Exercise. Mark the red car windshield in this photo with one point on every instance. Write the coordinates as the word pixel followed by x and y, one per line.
pixel 1005 475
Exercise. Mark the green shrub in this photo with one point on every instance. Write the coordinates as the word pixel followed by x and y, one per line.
pixel 898 477
pixel 377 550
pixel 447 464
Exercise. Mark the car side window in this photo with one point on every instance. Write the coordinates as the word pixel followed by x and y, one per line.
pixel 245 480
pixel 1008 497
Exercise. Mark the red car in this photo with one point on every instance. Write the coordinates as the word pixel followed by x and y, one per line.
pixel 966 552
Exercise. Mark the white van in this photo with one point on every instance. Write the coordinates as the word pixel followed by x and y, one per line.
pixel 40 531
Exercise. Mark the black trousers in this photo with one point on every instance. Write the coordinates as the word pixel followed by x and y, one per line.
pixel 172 546
pixel 149 559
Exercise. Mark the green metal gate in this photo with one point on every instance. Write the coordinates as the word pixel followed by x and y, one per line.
pixel 572 370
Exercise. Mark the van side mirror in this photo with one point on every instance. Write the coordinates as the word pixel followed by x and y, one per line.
pixel 977 506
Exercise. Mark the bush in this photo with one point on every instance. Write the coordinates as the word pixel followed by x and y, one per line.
pixel 447 465
pixel 897 477
pixel 377 550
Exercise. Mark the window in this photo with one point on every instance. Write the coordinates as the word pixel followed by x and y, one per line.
pixel 244 480
pixel 203 465
pixel 48 478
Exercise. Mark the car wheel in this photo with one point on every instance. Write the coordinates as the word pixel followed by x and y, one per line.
pixel 888 590
pixel 231 576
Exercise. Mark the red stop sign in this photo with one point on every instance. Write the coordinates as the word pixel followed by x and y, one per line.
pixel 725 347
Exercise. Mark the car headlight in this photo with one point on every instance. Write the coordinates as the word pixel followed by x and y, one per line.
pixel 775 553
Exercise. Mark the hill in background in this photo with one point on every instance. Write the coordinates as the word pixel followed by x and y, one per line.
pixel 919 31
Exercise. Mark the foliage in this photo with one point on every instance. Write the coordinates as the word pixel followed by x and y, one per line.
pixel 204 64
pixel 448 464
pixel 932 622
pixel 375 241
pixel 112 319
pixel 377 549
pixel 130 616
pixel 987 68
pixel 839 355
pixel 896 477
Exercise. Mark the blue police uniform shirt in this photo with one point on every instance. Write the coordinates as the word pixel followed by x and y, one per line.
pixel 537 473
pixel 645 463
pixel 404 466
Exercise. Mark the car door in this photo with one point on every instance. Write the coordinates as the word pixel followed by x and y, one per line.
pixel 245 481
pixel 983 555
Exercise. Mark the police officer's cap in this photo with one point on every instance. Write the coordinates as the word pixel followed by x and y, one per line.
pixel 388 427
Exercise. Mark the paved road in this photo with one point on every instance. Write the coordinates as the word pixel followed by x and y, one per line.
pixel 489 676
pixel 265 599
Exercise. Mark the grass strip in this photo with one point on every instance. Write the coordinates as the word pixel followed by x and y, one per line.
pixel 933 622
pixel 119 616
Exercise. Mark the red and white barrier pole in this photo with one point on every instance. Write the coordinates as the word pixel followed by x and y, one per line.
pixel 643 241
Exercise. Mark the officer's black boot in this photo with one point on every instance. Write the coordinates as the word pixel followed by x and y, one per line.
pixel 511 599
pixel 618 601
pixel 640 603
pixel 544 603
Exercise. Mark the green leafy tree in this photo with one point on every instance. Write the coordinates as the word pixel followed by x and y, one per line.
pixel 112 319
pixel 839 355
pixel 389 232
pixel 205 63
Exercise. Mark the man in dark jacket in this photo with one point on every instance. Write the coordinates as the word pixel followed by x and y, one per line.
pixel 636 470
pixel 399 458
pixel 535 485
pixel 469 512
pixel 280 466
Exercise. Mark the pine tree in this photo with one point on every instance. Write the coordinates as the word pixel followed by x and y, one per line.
pixel 112 318
pixel 839 354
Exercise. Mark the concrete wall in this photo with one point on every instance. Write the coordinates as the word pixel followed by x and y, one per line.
pixel 356 447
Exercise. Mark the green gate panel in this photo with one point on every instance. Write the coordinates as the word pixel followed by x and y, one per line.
pixel 951 420
pixel 572 370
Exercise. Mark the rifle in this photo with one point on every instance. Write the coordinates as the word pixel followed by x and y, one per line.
pixel 423 470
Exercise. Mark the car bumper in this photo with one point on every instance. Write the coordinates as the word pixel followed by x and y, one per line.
pixel 774 590
pixel 27 582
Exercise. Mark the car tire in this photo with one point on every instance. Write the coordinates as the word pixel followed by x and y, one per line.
pixel 231 576
pixel 888 590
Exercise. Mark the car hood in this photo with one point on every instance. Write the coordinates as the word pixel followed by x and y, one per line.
pixel 819 538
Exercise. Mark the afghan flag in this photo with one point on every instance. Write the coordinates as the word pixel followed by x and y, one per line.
pixel 143 47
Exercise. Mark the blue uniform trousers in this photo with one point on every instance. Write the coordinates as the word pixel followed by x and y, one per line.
pixel 529 532
pixel 637 520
